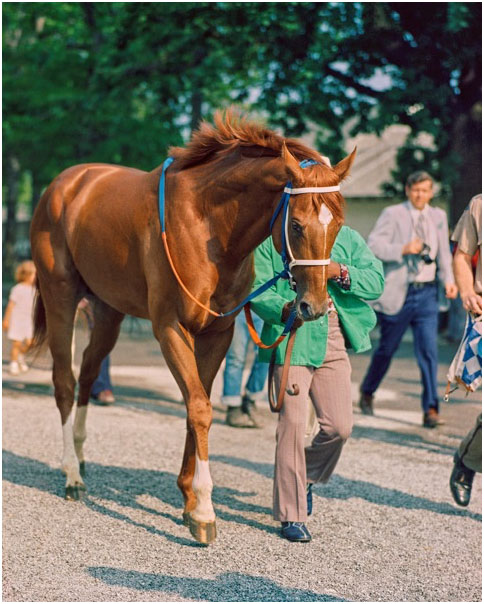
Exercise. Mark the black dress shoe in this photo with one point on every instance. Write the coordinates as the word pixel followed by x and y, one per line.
pixel 461 482
pixel 295 531
pixel 366 403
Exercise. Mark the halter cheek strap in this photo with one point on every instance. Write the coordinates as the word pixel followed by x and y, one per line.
pixel 325 217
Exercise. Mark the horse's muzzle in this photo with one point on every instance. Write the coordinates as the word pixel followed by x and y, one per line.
pixel 308 313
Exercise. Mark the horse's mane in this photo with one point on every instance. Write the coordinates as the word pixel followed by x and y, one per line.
pixel 233 129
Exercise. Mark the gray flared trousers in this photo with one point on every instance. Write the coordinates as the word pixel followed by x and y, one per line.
pixel 329 388
pixel 470 449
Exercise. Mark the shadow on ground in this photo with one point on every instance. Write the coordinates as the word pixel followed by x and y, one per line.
pixel 345 488
pixel 227 587
pixel 402 439
pixel 124 486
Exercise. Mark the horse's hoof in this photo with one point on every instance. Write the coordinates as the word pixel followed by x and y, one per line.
pixel 203 532
pixel 75 493
pixel 82 468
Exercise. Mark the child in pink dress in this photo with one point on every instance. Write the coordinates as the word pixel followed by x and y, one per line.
pixel 18 319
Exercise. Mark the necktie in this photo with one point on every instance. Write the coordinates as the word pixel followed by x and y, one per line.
pixel 420 232
pixel 420 227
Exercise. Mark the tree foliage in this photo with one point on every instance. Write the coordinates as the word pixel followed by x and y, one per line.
pixel 120 82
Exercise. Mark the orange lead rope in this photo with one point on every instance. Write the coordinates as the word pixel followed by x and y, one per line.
pixel 275 406
pixel 180 282
pixel 255 336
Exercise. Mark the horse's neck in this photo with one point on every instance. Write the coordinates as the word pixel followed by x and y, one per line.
pixel 240 210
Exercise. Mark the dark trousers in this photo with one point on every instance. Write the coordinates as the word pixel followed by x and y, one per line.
pixel 421 312
pixel 103 381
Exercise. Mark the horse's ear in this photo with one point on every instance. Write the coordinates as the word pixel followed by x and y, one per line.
pixel 293 168
pixel 342 168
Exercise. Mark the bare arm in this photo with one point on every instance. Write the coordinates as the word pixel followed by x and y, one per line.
pixel 462 265
pixel 8 314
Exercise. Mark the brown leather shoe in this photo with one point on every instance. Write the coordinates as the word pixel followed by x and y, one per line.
pixel 105 397
pixel 432 419
pixel 236 418
pixel 366 403
pixel 249 407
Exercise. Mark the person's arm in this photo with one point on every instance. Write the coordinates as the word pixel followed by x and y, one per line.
pixel 269 304
pixel 8 314
pixel 365 271
pixel 382 239
pixel 464 276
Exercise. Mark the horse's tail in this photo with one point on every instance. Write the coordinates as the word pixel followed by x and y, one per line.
pixel 40 322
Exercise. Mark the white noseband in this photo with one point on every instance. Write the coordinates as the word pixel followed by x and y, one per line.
pixel 325 217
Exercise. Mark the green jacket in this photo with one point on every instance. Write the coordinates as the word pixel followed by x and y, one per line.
pixel 356 317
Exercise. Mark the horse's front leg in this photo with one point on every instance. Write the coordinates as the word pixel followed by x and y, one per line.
pixel 195 481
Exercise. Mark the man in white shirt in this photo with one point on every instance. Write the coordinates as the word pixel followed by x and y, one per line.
pixel 412 240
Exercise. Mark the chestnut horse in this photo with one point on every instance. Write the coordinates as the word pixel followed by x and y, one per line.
pixel 96 231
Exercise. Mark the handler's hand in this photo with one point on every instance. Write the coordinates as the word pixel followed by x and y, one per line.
pixel 286 311
pixel 451 291
pixel 472 302
pixel 334 270
pixel 5 324
pixel 413 247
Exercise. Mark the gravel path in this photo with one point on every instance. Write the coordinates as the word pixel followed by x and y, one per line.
pixel 384 528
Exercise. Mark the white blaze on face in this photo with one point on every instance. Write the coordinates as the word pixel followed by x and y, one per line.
pixel 325 216
pixel 202 486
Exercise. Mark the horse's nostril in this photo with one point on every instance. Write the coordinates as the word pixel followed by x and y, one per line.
pixel 306 311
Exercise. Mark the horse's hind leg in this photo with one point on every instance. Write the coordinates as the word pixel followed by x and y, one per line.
pixel 60 295
pixel 107 323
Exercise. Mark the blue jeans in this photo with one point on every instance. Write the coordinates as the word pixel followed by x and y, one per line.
pixel 421 312
pixel 103 381
pixel 235 363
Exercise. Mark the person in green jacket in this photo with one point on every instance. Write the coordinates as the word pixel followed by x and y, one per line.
pixel 319 366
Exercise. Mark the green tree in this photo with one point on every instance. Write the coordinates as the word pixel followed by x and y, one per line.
pixel 120 82
pixel 430 54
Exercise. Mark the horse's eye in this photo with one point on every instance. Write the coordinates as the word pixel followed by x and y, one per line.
pixel 296 227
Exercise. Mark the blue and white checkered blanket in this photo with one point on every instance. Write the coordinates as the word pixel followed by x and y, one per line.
pixel 466 368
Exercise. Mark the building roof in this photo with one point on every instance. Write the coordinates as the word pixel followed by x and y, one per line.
pixel 376 159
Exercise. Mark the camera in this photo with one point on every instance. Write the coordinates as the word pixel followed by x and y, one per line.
pixel 424 254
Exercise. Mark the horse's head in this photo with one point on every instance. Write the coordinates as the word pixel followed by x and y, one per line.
pixel 312 222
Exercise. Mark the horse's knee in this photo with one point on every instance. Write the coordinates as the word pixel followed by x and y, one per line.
pixel 199 415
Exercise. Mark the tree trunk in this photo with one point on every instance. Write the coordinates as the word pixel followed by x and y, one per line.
pixel 12 166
